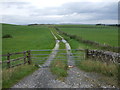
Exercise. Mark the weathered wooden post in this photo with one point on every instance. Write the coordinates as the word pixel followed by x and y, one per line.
pixel 29 57
pixel 8 60
pixel 24 54
pixel 86 53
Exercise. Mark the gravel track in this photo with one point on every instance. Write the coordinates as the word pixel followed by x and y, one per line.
pixel 80 79
pixel 43 78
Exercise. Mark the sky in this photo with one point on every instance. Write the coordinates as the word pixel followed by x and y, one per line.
pixel 59 11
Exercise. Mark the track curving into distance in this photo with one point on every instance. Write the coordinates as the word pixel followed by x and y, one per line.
pixel 78 78
pixel 43 78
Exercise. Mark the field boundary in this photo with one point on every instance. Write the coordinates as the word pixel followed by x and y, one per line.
pixel 26 58
pixel 104 56
pixel 80 39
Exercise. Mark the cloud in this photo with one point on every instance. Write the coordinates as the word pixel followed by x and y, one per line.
pixel 82 10
pixel 79 12
pixel 14 4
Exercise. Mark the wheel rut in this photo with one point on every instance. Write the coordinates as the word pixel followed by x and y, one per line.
pixel 43 78
pixel 79 79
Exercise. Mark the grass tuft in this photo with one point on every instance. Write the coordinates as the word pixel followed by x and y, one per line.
pixel 59 67
pixel 13 75
pixel 97 66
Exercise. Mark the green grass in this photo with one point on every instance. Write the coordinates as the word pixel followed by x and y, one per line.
pixel 24 38
pixel 77 45
pixel 59 67
pixel 97 66
pixel 109 73
pixel 13 75
pixel 102 34
pixel 39 37
pixel 56 33
pixel 90 65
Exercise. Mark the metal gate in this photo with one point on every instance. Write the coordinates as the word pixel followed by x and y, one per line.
pixel 39 57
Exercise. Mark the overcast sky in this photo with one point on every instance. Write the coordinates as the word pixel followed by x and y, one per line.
pixel 59 11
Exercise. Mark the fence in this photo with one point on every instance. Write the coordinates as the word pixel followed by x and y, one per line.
pixel 26 58
pixel 40 56
pixel 104 56
pixel 36 57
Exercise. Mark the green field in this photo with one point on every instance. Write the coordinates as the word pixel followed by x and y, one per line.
pixel 23 38
pixel 26 38
pixel 102 34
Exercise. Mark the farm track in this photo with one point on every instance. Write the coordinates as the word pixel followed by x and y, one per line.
pixel 43 78
pixel 78 78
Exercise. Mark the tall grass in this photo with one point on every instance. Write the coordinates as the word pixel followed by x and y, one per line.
pixel 109 73
pixel 97 66
pixel 13 75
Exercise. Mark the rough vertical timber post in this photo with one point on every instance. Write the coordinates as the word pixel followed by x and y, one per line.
pixel 29 57
pixel 86 53
pixel 8 60
pixel 24 57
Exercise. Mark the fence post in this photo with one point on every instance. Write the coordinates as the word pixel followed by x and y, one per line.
pixel 8 60
pixel 86 53
pixel 24 57
pixel 29 57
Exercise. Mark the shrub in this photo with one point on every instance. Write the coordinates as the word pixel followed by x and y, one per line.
pixel 7 36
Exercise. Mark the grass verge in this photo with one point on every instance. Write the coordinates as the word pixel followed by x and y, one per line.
pixel 59 65
pixel 109 72
pixel 97 66
pixel 13 75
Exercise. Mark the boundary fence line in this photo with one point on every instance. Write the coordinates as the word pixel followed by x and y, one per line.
pixel 27 56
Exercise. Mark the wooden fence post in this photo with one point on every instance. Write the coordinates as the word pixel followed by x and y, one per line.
pixel 8 60
pixel 86 53
pixel 29 57
pixel 24 57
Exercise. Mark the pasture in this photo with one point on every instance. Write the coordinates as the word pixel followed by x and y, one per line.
pixel 26 38
pixel 102 34
pixel 18 38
